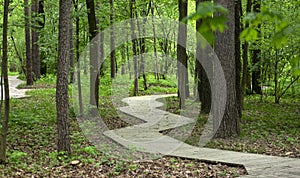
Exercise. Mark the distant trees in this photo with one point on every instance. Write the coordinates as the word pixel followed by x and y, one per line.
pixel 62 97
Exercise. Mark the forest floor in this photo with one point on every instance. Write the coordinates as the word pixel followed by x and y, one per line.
pixel 32 147
pixel 267 128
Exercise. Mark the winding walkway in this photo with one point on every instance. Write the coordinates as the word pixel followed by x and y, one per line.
pixel 13 91
pixel 148 138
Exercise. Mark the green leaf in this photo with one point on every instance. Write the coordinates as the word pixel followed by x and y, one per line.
pixel 249 34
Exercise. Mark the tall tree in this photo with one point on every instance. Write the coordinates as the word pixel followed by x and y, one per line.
pixel 72 67
pixel 35 53
pixel 62 98
pixel 94 74
pixel 112 41
pixel 256 57
pixel 237 42
pixel 246 82
pixel 134 46
pixel 181 54
pixel 29 79
pixel 203 86
pixel 6 86
pixel 225 50
pixel 77 43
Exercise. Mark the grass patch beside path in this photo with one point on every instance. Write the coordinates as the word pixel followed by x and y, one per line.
pixel 32 148
pixel 267 128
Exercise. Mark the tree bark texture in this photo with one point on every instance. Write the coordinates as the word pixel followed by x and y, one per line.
pixel 225 50
pixel 181 54
pixel 29 79
pixel 6 85
pixel 62 97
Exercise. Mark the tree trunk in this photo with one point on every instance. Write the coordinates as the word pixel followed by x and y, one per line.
pixel 62 97
pixel 156 74
pixel 77 43
pixel 238 14
pixel 203 86
pixel 112 41
pixel 94 88
pixel 181 54
pixel 256 57
pixel 29 78
pixel 35 39
pixel 225 50
pixel 72 67
pixel 134 44
pixel 6 86
pixel 246 86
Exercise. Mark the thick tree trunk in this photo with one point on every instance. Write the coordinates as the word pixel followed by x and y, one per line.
pixel 6 86
pixel 225 50
pixel 256 57
pixel 62 97
pixel 29 79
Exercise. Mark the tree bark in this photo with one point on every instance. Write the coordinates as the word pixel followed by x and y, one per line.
pixel 29 79
pixel 256 88
pixel 238 14
pixel 181 54
pixel 77 44
pixel 35 39
pixel 225 50
pixel 62 97
pixel 112 42
pixel 203 86
pixel 134 44
pixel 6 85
pixel 246 85
pixel 72 64
pixel 94 77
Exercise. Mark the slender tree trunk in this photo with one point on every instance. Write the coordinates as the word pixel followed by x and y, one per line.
pixel 62 96
pixel 112 41
pixel 246 84
pixel 156 75
pixel 237 43
pixel 134 44
pixel 41 22
pixel 35 39
pixel 181 54
pixel 225 49
pixel 20 57
pixel 203 86
pixel 6 86
pixel 72 64
pixel 256 57
pixel 29 78
pixel 78 58
pixel 142 48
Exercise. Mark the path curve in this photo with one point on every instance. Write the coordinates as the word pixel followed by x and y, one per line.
pixel 147 136
pixel 14 92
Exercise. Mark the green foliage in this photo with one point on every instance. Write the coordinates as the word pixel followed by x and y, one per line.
pixel 210 23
